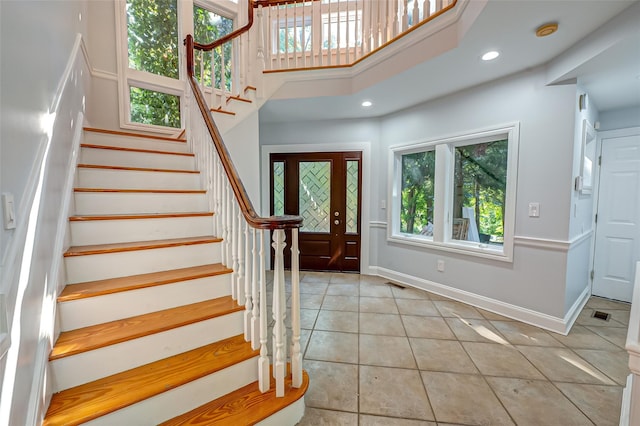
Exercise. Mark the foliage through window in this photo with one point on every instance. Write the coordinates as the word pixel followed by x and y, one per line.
pixel 457 193
pixel 479 191
pixel 150 107
pixel 209 26
pixel 152 27
pixel 418 175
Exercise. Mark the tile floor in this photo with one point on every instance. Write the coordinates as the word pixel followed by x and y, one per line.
pixel 377 354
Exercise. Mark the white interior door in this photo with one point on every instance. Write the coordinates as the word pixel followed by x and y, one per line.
pixel 617 245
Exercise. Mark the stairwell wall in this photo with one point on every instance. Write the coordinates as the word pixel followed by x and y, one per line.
pixel 43 98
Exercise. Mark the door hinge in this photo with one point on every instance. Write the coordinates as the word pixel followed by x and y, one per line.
pixel 600 160
pixel 596 217
pixel 592 274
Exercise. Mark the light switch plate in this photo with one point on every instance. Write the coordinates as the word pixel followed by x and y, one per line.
pixel 8 211
pixel 534 209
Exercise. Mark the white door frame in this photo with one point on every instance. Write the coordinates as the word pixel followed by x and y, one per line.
pixel 605 134
pixel 364 147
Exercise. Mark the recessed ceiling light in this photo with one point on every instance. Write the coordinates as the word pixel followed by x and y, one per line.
pixel 491 55
pixel 547 29
pixel 366 104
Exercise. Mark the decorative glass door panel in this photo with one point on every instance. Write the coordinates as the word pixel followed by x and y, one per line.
pixel 323 188
pixel 314 195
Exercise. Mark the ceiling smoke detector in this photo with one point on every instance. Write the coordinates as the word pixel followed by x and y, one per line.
pixel 546 29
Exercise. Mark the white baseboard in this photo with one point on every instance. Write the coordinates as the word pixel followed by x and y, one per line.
pixel 538 319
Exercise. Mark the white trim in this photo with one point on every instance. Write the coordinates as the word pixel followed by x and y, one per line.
pixel 538 319
pixel 377 224
pixel 364 147
pixel 550 244
pixel 572 314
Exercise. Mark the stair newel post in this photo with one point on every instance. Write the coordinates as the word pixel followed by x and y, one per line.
pixel 264 381
pixel 279 330
pixel 240 256
pixel 248 304
pixel 296 355
pixel 255 314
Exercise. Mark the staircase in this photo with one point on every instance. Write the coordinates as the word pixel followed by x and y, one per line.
pixel 149 331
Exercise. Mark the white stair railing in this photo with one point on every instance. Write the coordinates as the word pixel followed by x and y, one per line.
pixel 630 414
pixel 322 33
pixel 243 247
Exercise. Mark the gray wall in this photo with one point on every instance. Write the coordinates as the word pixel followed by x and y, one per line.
pixel 36 43
pixel 536 278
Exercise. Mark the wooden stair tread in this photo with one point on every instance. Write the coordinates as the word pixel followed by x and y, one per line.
pixel 147 151
pixel 91 400
pixel 238 98
pixel 137 169
pixel 244 406
pixel 223 111
pixel 134 282
pixel 138 245
pixel 98 336
pixel 133 134
pixel 137 216
pixel 141 191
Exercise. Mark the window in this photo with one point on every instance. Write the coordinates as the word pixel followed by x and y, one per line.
pixel 209 26
pixel 150 107
pixel 457 194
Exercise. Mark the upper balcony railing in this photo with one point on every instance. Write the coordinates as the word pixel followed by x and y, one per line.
pixel 304 34
pixel 328 33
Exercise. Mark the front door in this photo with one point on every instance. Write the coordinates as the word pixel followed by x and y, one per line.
pixel 617 246
pixel 323 188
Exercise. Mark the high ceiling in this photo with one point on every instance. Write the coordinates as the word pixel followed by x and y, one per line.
pixel 585 48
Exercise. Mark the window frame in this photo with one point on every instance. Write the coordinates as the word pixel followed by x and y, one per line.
pixel 444 192
pixel 129 77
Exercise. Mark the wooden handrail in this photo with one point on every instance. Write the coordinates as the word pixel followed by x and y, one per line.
pixel 246 207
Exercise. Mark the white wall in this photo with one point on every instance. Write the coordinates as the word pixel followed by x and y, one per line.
pixel 240 141
pixel 619 119
pixel 41 114
pixel 533 286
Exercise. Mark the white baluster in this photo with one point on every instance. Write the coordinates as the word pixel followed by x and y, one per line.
pixel 295 36
pixel 279 357
pixel 416 13
pixel 238 235
pixel 261 57
pixel 223 222
pixel 296 355
pixel 201 79
pixel 329 47
pixel 264 380
pixel 439 5
pixel 338 38
pixel 316 33
pixel 396 22
pixel 426 9
pixel 286 36
pixel 255 313
pixel 363 29
pixel 279 47
pixel 405 15
pixel 235 292
pixel 248 304
pixel 223 77
pixel 348 35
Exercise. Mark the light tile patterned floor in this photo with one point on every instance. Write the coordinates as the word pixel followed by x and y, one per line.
pixel 381 355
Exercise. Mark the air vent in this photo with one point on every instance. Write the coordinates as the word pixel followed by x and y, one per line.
pixel 601 315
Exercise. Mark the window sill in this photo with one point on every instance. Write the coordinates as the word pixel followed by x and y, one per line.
pixel 486 251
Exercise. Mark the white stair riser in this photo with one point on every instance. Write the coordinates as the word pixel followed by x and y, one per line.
pixel 110 307
pixel 134 179
pixel 183 398
pixel 102 203
pixel 110 157
pixel 290 415
pixel 92 365
pixel 121 264
pixel 88 232
pixel 106 139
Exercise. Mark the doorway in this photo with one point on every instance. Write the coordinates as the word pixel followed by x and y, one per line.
pixel 617 235
pixel 325 189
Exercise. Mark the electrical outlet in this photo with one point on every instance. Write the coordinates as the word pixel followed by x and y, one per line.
pixel 8 211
